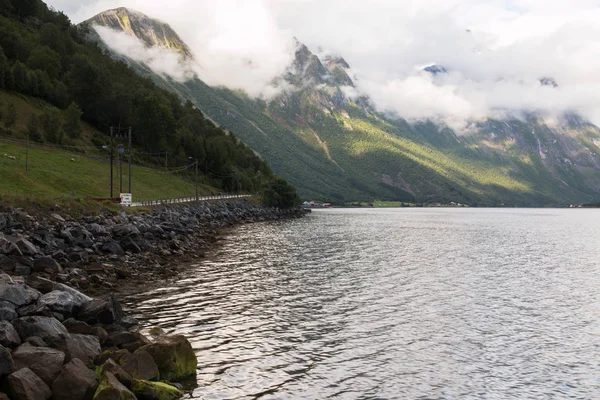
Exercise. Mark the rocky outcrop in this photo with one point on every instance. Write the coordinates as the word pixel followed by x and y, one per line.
pixel 42 357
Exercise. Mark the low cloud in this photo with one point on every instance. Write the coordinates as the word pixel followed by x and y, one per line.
pixel 495 50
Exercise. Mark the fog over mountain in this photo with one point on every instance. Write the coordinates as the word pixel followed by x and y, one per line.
pixel 495 52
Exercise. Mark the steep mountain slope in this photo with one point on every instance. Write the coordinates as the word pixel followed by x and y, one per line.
pixel 334 147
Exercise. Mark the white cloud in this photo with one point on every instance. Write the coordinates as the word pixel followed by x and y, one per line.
pixel 495 66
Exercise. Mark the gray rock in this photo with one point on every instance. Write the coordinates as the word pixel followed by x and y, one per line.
pixel 36 341
pixel 18 293
pixel 58 217
pixel 111 389
pixel 7 264
pixel 125 230
pixel 8 247
pixel 82 347
pixel 7 365
pixel 25 385
pixel 129 244
pixel 105 310
pixel 7 311
pixel 46 263
pixel 100 333
pixel 140 365
pixel 111 366
pixel 112 247
pixel 98 230
pixel 59 301
pixel 79 297
pixel 75 382
pixel 43 361
pixel 8 335
pixel 40 284
pixel 74 326
pixel 34 309
pixel 22 270
pixel 48 329
pixel 26 247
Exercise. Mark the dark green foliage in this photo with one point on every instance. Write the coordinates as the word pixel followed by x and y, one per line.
pixel 45 59
pixel 43 55
pixel 279 193
pixel 10 117
pixel 51 122
pixel 34 129
pixel 72 126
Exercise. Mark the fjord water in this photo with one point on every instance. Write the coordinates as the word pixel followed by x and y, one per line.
pixel 394 304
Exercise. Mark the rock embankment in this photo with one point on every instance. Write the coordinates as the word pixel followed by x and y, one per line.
pixel 56 342
pixel 97 252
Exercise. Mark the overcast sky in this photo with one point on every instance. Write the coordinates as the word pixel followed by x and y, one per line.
pixel 496 50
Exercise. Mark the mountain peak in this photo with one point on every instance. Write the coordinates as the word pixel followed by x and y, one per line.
pixel 151 32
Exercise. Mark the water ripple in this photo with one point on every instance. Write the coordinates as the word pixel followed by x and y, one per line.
pixel 394 304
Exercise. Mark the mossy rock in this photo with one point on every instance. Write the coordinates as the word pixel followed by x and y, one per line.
pixel 111 389
pixel 174 357
pixel 146 390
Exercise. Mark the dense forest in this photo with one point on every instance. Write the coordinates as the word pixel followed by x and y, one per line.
pixel 43 55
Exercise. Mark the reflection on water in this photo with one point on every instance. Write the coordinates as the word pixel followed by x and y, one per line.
pixel 395 304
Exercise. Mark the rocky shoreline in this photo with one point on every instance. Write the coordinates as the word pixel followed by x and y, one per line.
pixel 100 253
pixel 56 341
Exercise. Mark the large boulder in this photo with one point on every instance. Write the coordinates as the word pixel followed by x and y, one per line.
pixel 18 293
pixel 111 389
pixel 112 247
pixel 7 365
pixel 125 230
pixel 8 247
pixel 111 366
pixel 59 301
pixel 74 326
pixel 40 284
pixel 7 311
pixel 140 365
pixel 105 310
pixel 25 385
pixel 82 347
pixel 43 361
pixel 174 357
pixel 129 244
pixel 80 298
pixel 47 328
pixel 46 263
pixel 34 309
pixel 75 382
pixel 8 335
pixel 145 390
pixel 27 248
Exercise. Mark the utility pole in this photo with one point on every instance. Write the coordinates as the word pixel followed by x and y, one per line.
pixel 111 162
pixel 27 155
pixel 197 179
pixel 121 150
pixel 166 160
pixel 129 172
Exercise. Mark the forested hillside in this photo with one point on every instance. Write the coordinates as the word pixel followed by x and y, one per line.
pixel 44 56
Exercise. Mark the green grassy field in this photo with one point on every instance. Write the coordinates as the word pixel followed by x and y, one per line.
pixel 60 173
pixel 79 168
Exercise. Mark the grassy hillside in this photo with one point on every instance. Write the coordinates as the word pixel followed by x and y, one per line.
pixel 81 167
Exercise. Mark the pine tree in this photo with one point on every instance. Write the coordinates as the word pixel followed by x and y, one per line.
pixel 72 126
